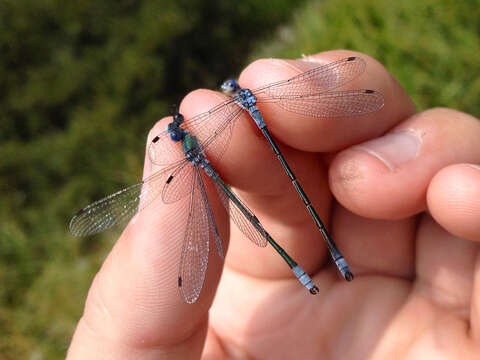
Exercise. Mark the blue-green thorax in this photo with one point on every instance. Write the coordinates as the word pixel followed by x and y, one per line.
pixel 189 143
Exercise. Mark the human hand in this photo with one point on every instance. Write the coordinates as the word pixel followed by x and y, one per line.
pixel 405 215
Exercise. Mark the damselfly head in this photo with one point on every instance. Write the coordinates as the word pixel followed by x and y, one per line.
pixel 175 131
pixel 229 87
pixel 177 135
pixel 178 118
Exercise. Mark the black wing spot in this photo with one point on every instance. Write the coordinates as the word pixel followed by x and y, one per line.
pixel 351 58
pixel 369 91
pixel 155 139
pixel 170 178
pixel 80 212
pixel 179 281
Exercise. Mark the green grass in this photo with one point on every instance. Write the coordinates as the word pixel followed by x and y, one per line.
pixel 83 83
pixel 432 47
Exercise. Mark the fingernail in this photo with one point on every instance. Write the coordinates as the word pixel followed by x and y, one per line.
pixel 394 149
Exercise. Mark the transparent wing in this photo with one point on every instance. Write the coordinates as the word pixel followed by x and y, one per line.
pixel 206 127
pixel 211 219
pixel 164 151
pixel 320 79
pixel 335 103
pixel 120 206
pixel 216 145
pixel 242 222
pixel 213 128
pixel 194 259
pixel 179 183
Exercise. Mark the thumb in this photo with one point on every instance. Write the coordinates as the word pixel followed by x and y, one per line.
pixel 134 308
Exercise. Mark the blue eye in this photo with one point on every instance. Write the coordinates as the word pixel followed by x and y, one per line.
pixel 171 127
pixel 230 86
pixel 176 135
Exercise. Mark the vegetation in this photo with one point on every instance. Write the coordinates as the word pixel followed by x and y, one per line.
pixel 81 83
pixel 430 46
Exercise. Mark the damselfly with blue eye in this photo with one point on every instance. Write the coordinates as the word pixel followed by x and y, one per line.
pixel 312 93
pixel 171 184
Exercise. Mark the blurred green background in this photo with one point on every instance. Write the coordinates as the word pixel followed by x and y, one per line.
pixel 81 83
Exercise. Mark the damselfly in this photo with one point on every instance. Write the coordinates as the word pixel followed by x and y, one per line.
pixel 175 182
pixel 312 93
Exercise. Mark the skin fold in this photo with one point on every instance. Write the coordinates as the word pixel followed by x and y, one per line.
pixel 399 190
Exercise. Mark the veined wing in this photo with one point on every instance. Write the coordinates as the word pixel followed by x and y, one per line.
pixel 194 258
pixel 206 127
pixel 216 144
pixel 213 128
pixel 239 218
pixel 164 151
pixel 120 206
pixel 179 183
pixel 211 218
pixel 335 103
pixel 319 79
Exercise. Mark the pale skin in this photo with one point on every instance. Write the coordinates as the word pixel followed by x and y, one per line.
pixel 407 219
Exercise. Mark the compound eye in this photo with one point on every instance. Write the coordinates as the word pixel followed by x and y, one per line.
pixel 176 135
pixel 178 118
pixel 230 87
